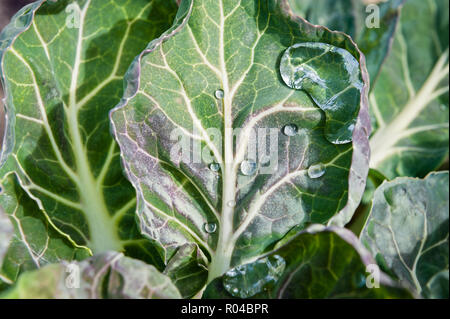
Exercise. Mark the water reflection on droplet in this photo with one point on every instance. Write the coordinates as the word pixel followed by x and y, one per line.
pixel 210 228
pixel 290 130
pixel 219 94
pixel 302 68
pixel 248 167
pixel 231 203
pixel 316 171
pixel 215 167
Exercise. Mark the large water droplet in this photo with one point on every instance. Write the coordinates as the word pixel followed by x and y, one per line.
pixel 290 130
pixel 219 94
pixel 215 167
pixel 316 171
pixel 210 228
pixel 332 78
pixel 248 280
pixel 248 167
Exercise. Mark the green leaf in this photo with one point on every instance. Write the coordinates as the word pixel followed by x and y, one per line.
pixel 108 275
pixel 188 270
pixel 35 242
pixel 408 231
pixel 62 66
pixel 317 263
pixel 410 100
pixel 357 19
pixel 217 70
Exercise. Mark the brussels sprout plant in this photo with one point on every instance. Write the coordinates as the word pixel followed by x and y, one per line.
pixel 225 149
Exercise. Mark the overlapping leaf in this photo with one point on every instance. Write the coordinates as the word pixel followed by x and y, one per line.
pixel 317 263
pixel 408 229
pixel 107 275
pixel 218 67
pixel 35 242
pixel 410 100
pixel 62 65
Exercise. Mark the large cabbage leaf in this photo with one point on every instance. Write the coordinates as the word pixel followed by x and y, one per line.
pixel 62 67
pixel 215 72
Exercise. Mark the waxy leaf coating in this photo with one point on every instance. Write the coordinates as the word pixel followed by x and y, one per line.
pixel 215 74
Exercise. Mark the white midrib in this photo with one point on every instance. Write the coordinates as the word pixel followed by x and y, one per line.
pixel 221 260
pixel 101 225
pixel 386 137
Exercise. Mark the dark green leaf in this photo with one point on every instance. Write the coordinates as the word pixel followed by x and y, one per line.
pixel 62 66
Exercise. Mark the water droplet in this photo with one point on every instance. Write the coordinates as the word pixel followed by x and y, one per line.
pixel 301 68
pixel 231 203
pixel 316 171
pixel 290 130
pixel 215 167
pixel 210 228
pixel 248 167
pixel 248 280
pixel 219 94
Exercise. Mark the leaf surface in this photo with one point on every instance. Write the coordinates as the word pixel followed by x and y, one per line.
pixel 62 66
pixel 409 103
pixel 407 231
pixel 216 73
pixel 372 26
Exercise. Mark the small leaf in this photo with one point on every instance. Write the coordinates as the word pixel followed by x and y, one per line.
pixel 408 228
pixel 188 270
pixel 316 263
pixel 107 275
